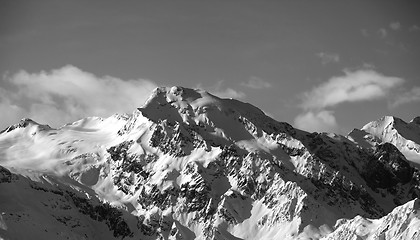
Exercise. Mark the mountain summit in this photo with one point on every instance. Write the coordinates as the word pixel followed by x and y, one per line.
pixel 405 136
pixel 190 165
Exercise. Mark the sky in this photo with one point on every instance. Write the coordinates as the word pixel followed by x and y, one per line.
pixel 318 65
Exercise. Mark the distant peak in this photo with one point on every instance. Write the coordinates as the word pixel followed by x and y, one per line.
pixel 26 121
pixel 23 123
pixel 384 122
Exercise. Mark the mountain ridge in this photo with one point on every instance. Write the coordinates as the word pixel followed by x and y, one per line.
pixel 188 164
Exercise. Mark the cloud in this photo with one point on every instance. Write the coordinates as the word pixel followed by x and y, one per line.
pixel 328 57
pixel 414 28
pixel 256 83
pixel 365 32
pixel 407 97
pixel 360 85
pixel 67 94
pixel 382 33
pixel 353 86
pixel 229 93
pixel 321 121
pixel 369 65
pixel 395 25
pixel 222 92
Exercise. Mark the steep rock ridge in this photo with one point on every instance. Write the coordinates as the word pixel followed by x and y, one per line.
pixel 190 165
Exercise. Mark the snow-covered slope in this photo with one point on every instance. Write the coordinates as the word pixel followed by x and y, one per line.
pixel 402 223
pixel 48 209
pixel 405 136
pixel 189 165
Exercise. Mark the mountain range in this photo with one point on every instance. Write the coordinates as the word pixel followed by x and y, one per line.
pixel 190 165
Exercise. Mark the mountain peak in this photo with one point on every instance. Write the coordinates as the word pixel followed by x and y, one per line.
pixel 23 123
pixel 187 105
pixel 27 121
pixel 175 93
pixel 384 122
pixel 405 136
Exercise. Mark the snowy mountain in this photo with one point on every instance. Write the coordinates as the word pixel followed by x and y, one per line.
pixel 405 136
pixel 189 165
pixel 402 223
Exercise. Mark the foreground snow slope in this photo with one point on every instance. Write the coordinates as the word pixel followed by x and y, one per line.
pixel 46 209
pixel 401 224
pixel 191 165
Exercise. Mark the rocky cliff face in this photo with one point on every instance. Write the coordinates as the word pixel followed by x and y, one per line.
pixel 190 165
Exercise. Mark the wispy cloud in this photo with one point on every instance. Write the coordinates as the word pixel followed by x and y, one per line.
pixel 360 85
pixel 67 94
pixel 365 32
pixel 407 97
pixel 353 86
pixel 229 93
pixel 382 32
pixel 414 28
pixel 395 26
pixel 256 83
pixel 369 65
pixel 328 57
pixel 223 92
